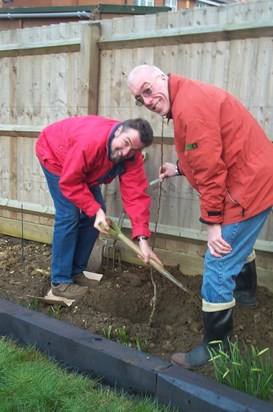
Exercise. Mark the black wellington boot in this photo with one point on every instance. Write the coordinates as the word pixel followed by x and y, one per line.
pixel 245 292
pixel 217 327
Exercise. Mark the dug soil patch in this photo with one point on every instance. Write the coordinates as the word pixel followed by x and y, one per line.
pixel 124 299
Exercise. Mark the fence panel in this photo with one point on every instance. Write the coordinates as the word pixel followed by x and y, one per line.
pixel 48 73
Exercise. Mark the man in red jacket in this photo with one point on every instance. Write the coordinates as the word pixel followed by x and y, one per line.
pixel 227 158
pixel 77 155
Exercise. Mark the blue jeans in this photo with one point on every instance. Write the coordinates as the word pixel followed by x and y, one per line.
pixel 74 233
pixel 220 273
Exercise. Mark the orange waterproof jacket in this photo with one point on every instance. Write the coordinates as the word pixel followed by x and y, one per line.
pixel 76 149
pixel 222 151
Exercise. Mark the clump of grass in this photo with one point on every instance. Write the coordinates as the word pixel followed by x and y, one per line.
pixel 142 344
pixel 34 304
pixel 248 371
pixel 121 335
pixel 55 311
pixel 107 333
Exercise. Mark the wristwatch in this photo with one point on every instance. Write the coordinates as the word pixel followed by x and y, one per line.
pixel 177 171
pixel 142 238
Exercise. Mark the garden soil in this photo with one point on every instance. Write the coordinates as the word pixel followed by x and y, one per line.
pixel 152 309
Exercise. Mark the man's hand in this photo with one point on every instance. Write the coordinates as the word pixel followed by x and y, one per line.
pixel 167 170
pixel 216 244
pixel 147 252
pixel 101 219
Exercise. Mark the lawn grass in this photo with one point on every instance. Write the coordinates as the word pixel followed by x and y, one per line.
pixel 31 382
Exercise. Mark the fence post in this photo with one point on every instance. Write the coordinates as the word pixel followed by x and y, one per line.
pixel 89 70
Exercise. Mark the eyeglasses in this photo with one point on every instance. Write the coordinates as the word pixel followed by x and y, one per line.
pixel 146 93
pixel 140 97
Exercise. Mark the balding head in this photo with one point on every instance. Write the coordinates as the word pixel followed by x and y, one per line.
pixel 141 71
pixel 149 85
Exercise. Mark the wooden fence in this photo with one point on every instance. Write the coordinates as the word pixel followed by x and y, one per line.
pixel 49 73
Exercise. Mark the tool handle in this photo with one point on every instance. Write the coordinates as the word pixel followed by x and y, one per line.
pixel 116 232
pixel 152 262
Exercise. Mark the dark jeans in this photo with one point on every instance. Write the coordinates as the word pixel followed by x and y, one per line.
pixel 74 233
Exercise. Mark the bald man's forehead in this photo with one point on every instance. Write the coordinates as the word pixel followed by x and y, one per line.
pixel 141 76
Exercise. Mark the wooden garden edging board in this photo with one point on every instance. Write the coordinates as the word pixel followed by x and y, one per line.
pixel 120 366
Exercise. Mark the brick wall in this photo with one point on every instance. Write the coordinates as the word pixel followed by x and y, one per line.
pixel 64 3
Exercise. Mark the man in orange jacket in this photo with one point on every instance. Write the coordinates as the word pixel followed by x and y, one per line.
pixel 77 155
pixel 227 158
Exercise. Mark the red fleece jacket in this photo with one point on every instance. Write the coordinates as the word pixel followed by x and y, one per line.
pixel 222 151
pixel 76 150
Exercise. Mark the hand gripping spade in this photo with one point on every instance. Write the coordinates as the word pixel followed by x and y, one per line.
pixel 116 233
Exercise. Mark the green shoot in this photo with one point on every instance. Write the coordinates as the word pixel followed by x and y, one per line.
pixel 250 372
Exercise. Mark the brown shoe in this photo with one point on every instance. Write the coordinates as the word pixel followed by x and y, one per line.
pixel 82 280
pixel 69 290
